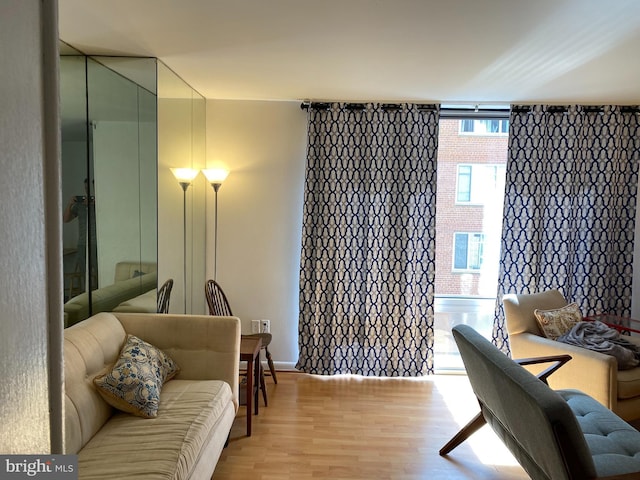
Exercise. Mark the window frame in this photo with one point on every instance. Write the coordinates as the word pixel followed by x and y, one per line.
pixel 503 126
pixel 473 166
pixel 478 253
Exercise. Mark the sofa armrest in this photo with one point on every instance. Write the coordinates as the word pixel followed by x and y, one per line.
pixel 205 347
pixel 591 372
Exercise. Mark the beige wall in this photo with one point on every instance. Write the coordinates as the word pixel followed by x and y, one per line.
pixel 31 218
pixel 259 213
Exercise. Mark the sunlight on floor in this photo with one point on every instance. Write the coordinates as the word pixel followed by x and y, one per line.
pixel 463 406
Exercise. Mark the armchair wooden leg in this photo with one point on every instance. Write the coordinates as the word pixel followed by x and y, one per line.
pixel 469 429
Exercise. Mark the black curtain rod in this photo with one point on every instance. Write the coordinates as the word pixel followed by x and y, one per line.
pixel 362 106
pixel 455 112
pixel 584 108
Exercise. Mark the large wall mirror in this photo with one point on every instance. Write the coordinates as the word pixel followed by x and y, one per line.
pixel 111 113
pixel 181 143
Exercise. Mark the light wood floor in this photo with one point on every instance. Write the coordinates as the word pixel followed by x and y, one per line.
pixel 362 428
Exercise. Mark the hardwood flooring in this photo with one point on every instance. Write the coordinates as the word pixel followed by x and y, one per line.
pixel 347 427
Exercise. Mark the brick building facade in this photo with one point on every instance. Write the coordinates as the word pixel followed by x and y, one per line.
pixel 454 216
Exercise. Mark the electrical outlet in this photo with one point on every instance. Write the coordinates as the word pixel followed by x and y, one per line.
pixel 255 326
pixel 266 326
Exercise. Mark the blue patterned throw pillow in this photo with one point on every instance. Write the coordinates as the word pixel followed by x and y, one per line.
pixel 134 383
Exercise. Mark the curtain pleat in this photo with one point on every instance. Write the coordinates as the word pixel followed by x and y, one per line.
pixel 569 212
pixel 368 241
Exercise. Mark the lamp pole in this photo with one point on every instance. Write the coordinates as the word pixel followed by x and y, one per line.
pixel 184 186
pixel 184 176
pixel 216 187
pixel 215 176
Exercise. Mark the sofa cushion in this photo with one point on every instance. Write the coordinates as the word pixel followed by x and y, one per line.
pixel 558 321
pixel 135 382
pixel 167 446
pixel 145 303
pixel 90 348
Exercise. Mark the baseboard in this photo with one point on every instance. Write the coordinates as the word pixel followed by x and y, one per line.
pixel 282 366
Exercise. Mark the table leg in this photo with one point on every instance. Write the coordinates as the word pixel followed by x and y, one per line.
pixel 256 379
pixel 249 397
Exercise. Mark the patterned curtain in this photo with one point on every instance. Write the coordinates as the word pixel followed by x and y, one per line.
pixel 569 213
pixel 368 241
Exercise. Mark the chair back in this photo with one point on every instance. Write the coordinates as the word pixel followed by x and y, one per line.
pixel 519 308
pixel 164 295
pixel 217 300
pixel 533 421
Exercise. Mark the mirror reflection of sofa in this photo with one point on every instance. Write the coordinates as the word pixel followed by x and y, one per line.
pixel 131 280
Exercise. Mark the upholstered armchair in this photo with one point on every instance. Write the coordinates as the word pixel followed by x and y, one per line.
pixel 593 373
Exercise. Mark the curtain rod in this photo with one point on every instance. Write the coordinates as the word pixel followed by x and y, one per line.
pixel 306 105
pixel 452 112
pixel 584 108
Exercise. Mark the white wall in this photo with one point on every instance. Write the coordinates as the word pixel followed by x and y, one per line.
pixel 31 232
pixel 259 213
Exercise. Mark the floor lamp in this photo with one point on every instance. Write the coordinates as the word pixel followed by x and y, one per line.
pixel 215 176
pixel 184 176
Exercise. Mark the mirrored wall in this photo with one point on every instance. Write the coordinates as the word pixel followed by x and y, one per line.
pixel 111 116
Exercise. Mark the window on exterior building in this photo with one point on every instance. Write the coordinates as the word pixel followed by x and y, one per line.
pixel 489 126
pixel 475 180
pixel 463 194
pixel 467 251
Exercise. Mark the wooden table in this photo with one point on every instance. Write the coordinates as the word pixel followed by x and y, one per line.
pixel 250 353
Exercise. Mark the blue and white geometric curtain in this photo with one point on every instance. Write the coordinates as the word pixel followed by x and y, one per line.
pixel 368 240
pixel 570 202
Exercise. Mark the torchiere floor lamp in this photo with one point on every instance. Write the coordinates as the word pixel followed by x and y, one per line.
pixel 215 176
pixel 184 176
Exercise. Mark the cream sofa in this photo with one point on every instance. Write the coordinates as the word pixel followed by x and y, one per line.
pixel 131 279
pixel 197 407
pixel 145 303
pixel 594 373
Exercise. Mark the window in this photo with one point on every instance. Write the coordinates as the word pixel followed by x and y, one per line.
pixel 476 180
pixel 471 170
pixel 490 126
pixel 463 194
pixel 468 250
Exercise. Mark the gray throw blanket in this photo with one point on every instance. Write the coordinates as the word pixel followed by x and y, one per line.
pixel 601 338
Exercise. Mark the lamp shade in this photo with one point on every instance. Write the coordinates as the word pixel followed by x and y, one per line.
pixel 215 175
pixel 184 175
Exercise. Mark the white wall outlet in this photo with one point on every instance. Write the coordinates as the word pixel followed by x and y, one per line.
pixel 266 326
pixel 256 326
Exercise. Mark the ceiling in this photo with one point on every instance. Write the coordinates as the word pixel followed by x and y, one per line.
pixel 449 51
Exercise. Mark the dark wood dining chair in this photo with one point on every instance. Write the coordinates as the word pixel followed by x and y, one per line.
pixel 164 296
pixel 219 306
